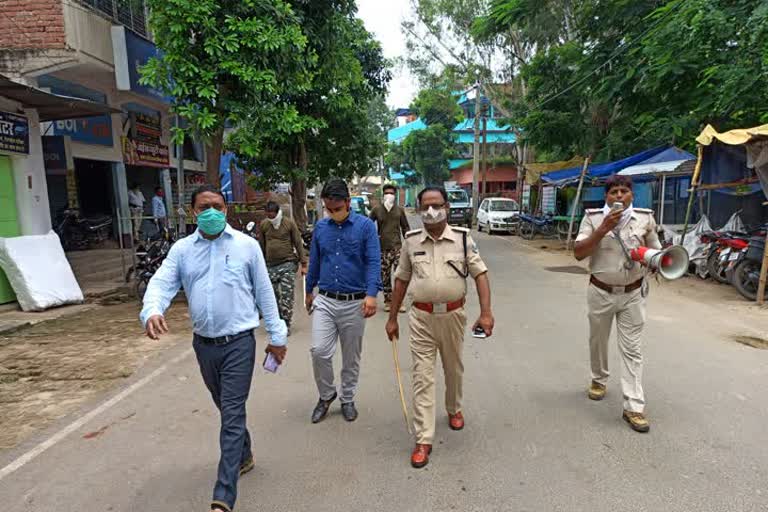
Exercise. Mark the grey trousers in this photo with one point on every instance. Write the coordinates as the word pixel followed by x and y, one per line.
pixel 343 321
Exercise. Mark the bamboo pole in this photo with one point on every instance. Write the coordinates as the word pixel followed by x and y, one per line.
pixel 763 272
pixel 692 191
pixel 576 202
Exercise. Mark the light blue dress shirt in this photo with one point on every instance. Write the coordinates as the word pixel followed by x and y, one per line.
pixel 158 208
pixel 226 284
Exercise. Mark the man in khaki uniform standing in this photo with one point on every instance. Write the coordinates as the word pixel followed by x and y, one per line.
pixel 391 221
pixel 438 259
pixel 617 289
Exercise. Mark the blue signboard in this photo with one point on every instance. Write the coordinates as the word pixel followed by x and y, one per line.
pixel 91 130
pixel 14 133
pixel 131 52
pixel 55 155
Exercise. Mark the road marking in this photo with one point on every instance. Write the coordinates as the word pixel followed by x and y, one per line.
pixel 78 423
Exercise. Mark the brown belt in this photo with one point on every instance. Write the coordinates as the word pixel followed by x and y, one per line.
pixel 614 288
pixel 445 307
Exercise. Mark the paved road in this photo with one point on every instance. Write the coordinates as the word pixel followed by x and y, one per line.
pixel 533 441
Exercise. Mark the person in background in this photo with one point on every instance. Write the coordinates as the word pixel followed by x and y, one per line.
pixel 136 203
pixel 345 263
pixel 283 248
pixel 437 261
pixel 158 208
pixel 226 283
pixel 392 222
pixel 617 289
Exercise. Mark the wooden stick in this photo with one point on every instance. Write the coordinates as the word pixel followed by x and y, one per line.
pixel 576 203
pixel 763 270
pixel 400 385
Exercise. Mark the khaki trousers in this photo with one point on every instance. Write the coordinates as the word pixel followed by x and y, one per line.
pixel 629 310
pixel 430 334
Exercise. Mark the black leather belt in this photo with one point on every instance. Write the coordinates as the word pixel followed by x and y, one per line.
pixel 343 296
pixel 612 288
pixel 222 340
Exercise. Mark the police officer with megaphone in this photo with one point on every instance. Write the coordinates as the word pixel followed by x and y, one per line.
pixel 617 290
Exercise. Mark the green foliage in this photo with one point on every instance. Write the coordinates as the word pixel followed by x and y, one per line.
pixel 222 58
pixel 607 79
pixel 437 106
pixel 426 152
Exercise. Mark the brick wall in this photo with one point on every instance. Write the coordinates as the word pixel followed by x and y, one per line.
pixel 31 24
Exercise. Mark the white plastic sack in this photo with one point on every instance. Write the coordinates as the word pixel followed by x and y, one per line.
pixel 39 272
pixel 735 224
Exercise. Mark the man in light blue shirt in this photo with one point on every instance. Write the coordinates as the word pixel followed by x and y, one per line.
pixel 158 208
pixel 225 279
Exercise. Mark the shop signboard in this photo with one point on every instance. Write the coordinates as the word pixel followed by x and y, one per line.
pixel 14 133
pixel 145 154
pixel 92 130
pixel 548 197
pixel 55 155
pixel 132 51
pixel 145 128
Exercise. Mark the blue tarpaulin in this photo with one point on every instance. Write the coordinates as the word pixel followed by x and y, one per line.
pixel 602 170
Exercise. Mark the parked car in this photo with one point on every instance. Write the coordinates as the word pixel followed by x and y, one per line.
pixel 461 208
pixel 358 205
pixel 498 214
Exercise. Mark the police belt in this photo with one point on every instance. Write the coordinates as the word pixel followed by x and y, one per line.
pixel 444 307
pixel 615 288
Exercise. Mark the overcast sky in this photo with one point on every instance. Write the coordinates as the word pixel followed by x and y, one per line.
pixel 383 17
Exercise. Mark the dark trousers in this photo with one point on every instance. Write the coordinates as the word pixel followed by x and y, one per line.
pixel 227 372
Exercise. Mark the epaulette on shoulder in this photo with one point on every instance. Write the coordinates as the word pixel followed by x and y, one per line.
pixel 592 211
pixel 460 229
pixel 644 210
pixel 413 232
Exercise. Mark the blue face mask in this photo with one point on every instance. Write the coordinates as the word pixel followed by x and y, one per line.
pixel 211 221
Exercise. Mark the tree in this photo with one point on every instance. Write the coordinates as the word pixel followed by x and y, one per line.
pixel 225 62
pixel 333 133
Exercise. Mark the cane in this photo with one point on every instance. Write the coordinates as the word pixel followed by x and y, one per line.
pixel 400 385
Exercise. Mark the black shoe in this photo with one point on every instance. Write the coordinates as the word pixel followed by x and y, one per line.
pixel 348 411
pixel 321 409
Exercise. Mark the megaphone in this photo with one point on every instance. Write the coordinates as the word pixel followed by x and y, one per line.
pixel 672 262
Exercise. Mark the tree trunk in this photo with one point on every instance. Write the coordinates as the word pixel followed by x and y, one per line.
pixel 299 191
pixel 213 158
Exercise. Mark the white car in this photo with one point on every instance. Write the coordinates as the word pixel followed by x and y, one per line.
pixel 498 214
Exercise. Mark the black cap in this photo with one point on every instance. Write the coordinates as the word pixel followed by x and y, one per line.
pixel 335 189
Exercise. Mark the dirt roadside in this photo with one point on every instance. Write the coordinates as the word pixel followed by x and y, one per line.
pixel 48 370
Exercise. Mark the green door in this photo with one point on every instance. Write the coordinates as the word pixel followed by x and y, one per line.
pixel 9 220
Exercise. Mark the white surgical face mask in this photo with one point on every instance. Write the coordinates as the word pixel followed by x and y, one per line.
pixel 433 215
pixel 389 201
pixel 278 218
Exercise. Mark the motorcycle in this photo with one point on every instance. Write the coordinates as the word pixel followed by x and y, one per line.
pixel 78 232
pixel 306 237
pixel 530 225
pixel 723 248
pixel 150 254
pixel 744 271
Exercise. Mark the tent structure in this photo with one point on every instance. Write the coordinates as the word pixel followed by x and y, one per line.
pixel 670 161
pixel 736 160
pixel 567 176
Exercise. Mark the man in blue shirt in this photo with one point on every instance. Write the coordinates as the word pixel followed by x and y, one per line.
pixel 226 283
pixel 345 264
pixel 158 208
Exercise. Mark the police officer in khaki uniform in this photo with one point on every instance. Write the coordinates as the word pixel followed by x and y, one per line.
pixel 617 289
pixel 438 259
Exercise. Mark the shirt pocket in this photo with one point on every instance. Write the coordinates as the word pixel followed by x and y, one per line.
pixel 234 273
pixel 351 244
pixel 452 263
pixel 422 265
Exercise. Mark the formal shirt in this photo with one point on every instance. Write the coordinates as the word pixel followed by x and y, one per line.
pixel 136 199
pixel 391 224
pixel 226 283
pixel 431 265
pixel 282 245
pixel 346 257
pixel 158 207
pixel 607 262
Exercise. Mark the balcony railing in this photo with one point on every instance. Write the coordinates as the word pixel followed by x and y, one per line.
pixel 130 13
